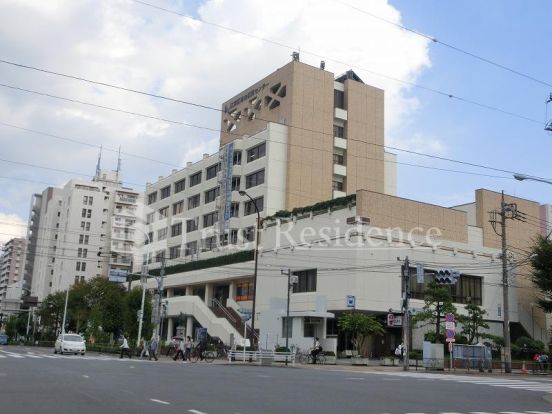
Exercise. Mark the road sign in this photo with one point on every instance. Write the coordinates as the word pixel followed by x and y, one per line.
pixel 350 301
pixel 450 346
pixel 449 317
pixel 450 326
pixel 420 273
pixel 450 335
pixel 394 320
pixel 390 319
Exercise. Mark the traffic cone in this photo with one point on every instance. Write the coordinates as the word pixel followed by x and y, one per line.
pixel 524 369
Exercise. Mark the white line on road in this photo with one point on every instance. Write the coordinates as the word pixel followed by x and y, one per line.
pixel 196 412
pixel 160 401
pixel 85 376
pixel 353 379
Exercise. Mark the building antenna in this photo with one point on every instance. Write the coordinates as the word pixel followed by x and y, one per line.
pixel 118 165
pixel 98 167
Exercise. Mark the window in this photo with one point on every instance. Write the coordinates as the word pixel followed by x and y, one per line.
pixel 244 291
pixel 150 218
pixel 86 239
pixel 163 212
pixel 90 200
pixel 210 219
pixel 339 159
pixel 193 202
pixel 212 171
pixel 159 256
pixel 179 185
pixel 83 213
pixel 249 206
pixel 191 248
pixel 331 327
pixel 85 200
pixel 149 238
pixel 257 178
pixel 81 238
pixel 162 234
pixel 83 266
pixel 211 194
pixel 84 253
pixel 287 327
pixel 306 282
pixel 339 131
pixel 209 243
pixel 256 152
pixel 152 198
pixel 79 252
pixel 165 192
pixel 176 229
pixel 339 99
pixel 233 236
pixel 87 226
pixel 195 179
pixel 337 185
pixel 178 208
pixel 236 181
pixel 83 225
pixel 192 225
pixel 236 159
pixel 249 233
pixel 234 210
pixel 309 326
pixel 89 213
pixel 174 252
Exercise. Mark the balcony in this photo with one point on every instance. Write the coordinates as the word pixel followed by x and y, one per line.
pixel 340 114
pixel 123 235
pixel 338 194
pixel 340 143
pixel 339 170
pixel 126 198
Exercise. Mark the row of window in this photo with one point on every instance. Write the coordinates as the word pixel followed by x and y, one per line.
pixel 83 238
pixel 211 172
pixel 85 225
pixel 81 266
pixel 86 213
pixel 87 200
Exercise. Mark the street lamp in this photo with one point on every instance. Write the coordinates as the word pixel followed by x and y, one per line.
pixel 523 177
pixel 256 254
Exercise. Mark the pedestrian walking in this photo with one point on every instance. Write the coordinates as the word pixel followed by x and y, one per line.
pixel 153 345
pixel 180 350
pixel 399 351
pixel 125 349
pixel 188 349
pixel 144 349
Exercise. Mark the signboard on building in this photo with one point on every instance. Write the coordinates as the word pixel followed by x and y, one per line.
pixel 350 301
pixel 394 320
pixel 118 275
pixel 225 182
pixel 420 273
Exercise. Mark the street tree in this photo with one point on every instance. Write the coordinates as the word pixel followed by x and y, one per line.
pixel 50 313
pixel 360 326
pixel 541 262
pixel 473 322
pixel 437 302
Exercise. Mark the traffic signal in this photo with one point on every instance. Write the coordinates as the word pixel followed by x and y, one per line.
pixel 447 276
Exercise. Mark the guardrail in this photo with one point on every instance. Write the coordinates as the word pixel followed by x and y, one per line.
pixel 263 357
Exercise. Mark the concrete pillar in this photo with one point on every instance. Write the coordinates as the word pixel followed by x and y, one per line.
pixel 170 328
pixel 170 293
pixel 188 291
pixel 232 290
pixel 208 293
pixel 190 327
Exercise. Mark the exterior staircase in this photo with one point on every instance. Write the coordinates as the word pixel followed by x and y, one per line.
pixel 233 318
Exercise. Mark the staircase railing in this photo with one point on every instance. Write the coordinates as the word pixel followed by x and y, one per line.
pixel 216 303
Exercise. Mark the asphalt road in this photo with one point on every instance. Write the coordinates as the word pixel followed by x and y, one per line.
pixel 34 380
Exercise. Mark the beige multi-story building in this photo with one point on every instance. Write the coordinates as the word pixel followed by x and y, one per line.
pixel 83 230
pixel 11 269
pixel 335 127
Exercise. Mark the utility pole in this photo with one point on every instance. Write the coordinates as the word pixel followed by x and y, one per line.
pixel 406 321
pixel 143 281
pixel 65 311
pixel 160 296
pixel 290 282
pixel 507 211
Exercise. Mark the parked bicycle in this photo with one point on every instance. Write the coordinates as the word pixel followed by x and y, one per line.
pixel 208 356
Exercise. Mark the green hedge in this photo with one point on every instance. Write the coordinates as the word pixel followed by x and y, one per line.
pixel 228 259
pixel 323 205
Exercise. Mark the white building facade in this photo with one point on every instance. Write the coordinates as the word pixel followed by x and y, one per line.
pixel 11 270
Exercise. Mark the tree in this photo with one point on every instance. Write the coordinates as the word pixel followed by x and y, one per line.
pixel 360 325
pixel 437 302
pixel 473 322
pixel 16 326
pixel 50 312
pixel 541 261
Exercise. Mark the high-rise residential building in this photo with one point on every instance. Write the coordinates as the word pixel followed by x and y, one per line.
pixel 83 230
pixel 11 272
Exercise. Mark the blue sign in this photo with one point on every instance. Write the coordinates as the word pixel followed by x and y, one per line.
pixel 350 301
pixel 227 193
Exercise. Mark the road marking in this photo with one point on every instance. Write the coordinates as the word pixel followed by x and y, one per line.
pixel 354 379
pixel 160 401
pixel 2 356
pixel 85 376
pixel 196 412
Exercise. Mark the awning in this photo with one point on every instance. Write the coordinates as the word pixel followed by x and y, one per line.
pixel 312 314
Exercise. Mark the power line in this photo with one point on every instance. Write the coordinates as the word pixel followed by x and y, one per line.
pixel 285 143
pixel 448 45
pixel 329 59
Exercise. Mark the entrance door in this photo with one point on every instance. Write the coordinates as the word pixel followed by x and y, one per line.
pixel 221 293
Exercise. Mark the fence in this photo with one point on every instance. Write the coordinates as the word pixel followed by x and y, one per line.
pixel 264 357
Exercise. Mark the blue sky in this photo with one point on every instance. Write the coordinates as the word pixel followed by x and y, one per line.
pixel 122 42
pixel 513 33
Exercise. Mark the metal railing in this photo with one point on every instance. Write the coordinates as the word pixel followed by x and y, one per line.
pixel 216 303
pixel 261 357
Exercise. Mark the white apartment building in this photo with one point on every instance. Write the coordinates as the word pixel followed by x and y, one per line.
pixel 11 269
pixel 83 230
pixel 185 211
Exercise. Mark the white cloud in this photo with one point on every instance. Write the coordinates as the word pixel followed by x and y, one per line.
pixel 124 43
pixel 11 226
pixel 419 143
